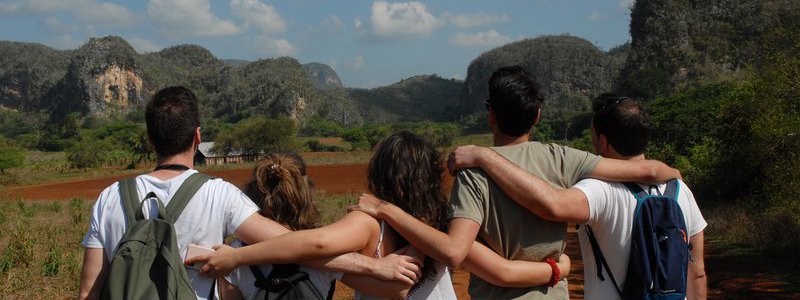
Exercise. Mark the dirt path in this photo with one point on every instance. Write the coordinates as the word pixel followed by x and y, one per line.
pixel 732 274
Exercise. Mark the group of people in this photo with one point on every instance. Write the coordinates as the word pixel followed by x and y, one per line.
pixel 505 220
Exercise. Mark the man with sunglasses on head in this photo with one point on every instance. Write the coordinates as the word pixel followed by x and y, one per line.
pixel 620 130
pixel 481 209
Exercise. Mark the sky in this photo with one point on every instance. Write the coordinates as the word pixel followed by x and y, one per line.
pixel 368 43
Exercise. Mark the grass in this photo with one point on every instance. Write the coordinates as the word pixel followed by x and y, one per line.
pixel 41 251
pixel 41 248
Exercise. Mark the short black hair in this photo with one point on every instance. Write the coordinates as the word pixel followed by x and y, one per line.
pixel 515 100
pixel 623 121
pixel 172 117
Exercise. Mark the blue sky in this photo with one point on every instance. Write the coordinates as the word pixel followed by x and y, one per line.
pixel 369 43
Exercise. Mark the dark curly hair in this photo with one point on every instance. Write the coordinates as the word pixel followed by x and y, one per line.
pixel 281 190
pixel 406 170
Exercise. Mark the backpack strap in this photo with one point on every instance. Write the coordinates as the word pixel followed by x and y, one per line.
pixel 672 189
pixel 600 260
pixel 261 280
pixel 185 193
pixel 636 190
pixel 130 199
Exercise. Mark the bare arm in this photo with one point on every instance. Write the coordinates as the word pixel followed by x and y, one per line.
pixel 644 171
pixel 382 288
pixel 697 281
pixel 393 267
pixel 93 273
pixel 529 191
pixel 450 248
pixel 499 271
pixel 258 229
pixel 351 233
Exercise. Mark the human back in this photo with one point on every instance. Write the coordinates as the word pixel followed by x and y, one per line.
pixel 611 215
pixel 507 228
pixel 621 215
pixel 216 210
pixel 406 170
pixel 282 190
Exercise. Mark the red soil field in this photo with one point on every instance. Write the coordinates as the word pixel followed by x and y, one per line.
pixel 728 278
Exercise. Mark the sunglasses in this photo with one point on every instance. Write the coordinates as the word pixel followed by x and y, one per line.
pixel 612 104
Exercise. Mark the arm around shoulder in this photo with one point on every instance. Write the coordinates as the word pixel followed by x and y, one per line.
pixel 644 171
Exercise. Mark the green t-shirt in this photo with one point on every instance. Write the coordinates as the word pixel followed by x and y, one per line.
pixel 508 228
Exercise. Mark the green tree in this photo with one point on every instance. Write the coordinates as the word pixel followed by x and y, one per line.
pixel 256 135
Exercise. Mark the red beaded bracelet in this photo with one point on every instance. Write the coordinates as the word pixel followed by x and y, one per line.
pixel 555 272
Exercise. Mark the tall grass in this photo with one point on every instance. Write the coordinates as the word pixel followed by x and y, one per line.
pixel 40 248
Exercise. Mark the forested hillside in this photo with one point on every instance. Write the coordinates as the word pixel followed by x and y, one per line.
pixel 682 43
pixel 569 69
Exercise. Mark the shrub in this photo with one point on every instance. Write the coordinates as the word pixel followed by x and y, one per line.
pixel 11 156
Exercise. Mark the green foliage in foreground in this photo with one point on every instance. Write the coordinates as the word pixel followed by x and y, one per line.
pixel 11 156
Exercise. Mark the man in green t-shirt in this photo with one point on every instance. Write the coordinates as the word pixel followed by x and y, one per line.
pixel 481 210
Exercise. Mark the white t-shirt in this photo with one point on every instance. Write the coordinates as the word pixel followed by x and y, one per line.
pixel 611 209
pixel 216 211
pixel 243 278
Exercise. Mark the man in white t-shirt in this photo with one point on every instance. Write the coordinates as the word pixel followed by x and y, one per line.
pixel 217 210
pixel 620 130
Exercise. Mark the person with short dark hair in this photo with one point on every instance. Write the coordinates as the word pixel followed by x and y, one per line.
pixel 480 209
pixel 620 130
pixel 217 210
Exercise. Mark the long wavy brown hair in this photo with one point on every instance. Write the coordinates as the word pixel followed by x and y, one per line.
pixel 281 189
pixel 406 170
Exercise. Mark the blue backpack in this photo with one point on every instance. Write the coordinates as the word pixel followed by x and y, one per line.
pixel 659 247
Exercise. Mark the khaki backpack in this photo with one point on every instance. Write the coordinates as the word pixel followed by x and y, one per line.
pixel 147 264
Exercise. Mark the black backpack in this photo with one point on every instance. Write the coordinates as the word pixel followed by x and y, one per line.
pixel 146 264
pixel 659 256
pixel 287 282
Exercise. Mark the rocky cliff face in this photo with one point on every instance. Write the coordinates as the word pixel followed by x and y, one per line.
pixel 116 87
pixel 322 75
pixel 106 76
pixel 102 79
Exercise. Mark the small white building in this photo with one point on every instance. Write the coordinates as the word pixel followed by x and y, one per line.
pixel 204 156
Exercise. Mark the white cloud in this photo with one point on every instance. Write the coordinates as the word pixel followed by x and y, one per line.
pixel 333 24
pixel 262 17
pixel 55 25
pixel 90 12
pixel 274 47
pixel 143 45
pixel 474 20
pixel 106 13
pixel 489 38
pixel 595 16
pixel 401 20
pixel 181 18
pixel 355 63
pixel 626 4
